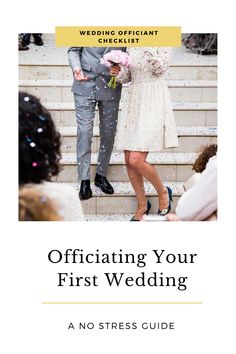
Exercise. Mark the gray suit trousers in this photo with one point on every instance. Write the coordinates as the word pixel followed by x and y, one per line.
pixel 85 115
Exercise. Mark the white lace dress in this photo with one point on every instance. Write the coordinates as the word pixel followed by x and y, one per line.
pixel 147 121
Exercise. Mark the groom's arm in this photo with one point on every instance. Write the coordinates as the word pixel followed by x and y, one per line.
pixel 104 70
pixel 74 54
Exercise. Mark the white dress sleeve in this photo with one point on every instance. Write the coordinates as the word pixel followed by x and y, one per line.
pixel 158 58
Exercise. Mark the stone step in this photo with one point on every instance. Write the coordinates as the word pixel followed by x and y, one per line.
pixel 108 217
pixel 191 117
pixel 175 167
pixel 185 91
pixel 68 83
pixel 162 158
pixel 125 189
pixel 44 71
pixel 177 106
pixel 181 130
pixel 119 205
pixel 190 138
pixel 124 200
pixel 48 36
pixel 190 113
pixel 118 173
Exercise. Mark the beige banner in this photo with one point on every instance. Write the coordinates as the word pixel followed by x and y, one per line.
pixel 164 36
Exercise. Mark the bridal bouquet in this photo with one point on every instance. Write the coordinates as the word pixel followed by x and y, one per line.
pixel 116 57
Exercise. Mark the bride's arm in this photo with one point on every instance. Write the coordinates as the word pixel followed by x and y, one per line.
pixel 159 59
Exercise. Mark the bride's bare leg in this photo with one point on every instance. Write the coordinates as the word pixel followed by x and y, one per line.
pixel 137 162
pixel 137 183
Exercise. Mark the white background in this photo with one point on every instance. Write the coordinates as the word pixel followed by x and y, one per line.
pixel 27 277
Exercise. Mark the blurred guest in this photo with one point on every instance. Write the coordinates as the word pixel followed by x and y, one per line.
pixel 24 39
pixel 200 164
pixel 39 155
pixel 33 206
pixel 201 43
pixel 21 46
pixel 199 203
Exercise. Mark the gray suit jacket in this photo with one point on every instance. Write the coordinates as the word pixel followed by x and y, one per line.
pixel 88 59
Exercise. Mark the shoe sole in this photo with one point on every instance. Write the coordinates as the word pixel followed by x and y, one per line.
pixel 83 198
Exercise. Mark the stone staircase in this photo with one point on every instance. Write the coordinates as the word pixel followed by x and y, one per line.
pixel 44 72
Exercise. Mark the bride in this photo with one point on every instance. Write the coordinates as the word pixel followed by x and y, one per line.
pixel 147 124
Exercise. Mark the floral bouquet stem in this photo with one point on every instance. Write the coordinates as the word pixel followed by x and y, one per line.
pixel 112 82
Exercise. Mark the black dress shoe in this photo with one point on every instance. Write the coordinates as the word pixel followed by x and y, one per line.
pixel 22 47
pixel 85 190
pixel 38 40
pixel 103 184
pixel 25 40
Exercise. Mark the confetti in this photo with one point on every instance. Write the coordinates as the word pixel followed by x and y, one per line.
pixel 61 212
pixel 43 199
pixel 34 164
pixel 40 130
pixel 41 117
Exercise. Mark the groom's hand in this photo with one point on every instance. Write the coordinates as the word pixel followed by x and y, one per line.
pixel 114 70
pixel 79 75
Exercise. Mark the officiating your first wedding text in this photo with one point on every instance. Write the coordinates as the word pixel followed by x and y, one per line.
pixel 155 278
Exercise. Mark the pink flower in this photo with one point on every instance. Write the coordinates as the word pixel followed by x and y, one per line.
pixel 116 57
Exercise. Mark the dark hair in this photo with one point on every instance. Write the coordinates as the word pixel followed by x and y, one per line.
pixel 39 142
pixel 202 160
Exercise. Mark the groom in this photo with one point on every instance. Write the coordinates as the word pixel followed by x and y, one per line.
pixel 90 89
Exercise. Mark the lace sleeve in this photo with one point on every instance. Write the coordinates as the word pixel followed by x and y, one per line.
pixel 159 59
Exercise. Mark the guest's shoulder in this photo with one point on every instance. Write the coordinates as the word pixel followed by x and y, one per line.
pixel 211 166
pixel 212 161
pixel 66 197
pixel 55 190
pixel 58 187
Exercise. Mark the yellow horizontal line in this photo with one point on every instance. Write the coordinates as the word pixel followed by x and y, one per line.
pixel 121 303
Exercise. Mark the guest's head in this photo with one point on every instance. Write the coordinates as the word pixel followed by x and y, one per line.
pixel 202 160
pixel 39 142
pixel 33 206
